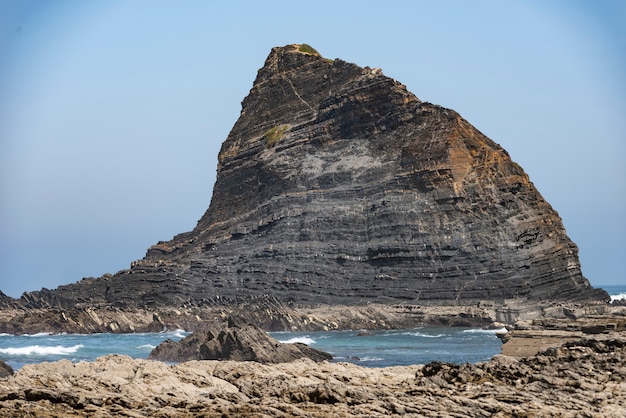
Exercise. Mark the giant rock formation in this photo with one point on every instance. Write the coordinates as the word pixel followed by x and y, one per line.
pixel 336 185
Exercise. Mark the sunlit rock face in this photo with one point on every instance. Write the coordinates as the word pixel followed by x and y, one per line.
pixel 337 185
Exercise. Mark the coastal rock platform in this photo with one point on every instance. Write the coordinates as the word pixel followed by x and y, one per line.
pixel 586 377
pixel 527 338
pixel 271 314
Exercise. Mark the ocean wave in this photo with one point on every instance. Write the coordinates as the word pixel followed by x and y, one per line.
pixel 371 359
pixel 39 334
pixel 486 331
pixel 618 296
pixel 179 333
pixel 303 340
pixel 421 334
pixel 147 346
pixel 40 350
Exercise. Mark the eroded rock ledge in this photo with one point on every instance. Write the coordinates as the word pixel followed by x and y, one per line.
pixel 270 314
pixel 527 338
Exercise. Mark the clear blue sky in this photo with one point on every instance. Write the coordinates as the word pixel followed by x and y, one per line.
pixel 112 112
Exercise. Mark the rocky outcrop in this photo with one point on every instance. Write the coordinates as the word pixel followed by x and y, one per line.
pixel 7 301
pixel 582 378
pixel 336 185
pixel 265 313
pixel 5 370
pixel 527 338
pixel 234 340
pixel 272 315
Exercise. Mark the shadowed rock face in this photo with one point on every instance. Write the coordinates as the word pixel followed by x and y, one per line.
pixel 5 370
pixel 336 185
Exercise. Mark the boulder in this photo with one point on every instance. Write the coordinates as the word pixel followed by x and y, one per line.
pixel 5 370
pixel 234 341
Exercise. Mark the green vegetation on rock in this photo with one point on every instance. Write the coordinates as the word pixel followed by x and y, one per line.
pixel 273 135
pixel 308 49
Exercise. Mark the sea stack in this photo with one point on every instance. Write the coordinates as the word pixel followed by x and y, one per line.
pixel 338 186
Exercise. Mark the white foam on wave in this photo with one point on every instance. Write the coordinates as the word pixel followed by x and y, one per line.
pixel 371 359
pixel 486 331
pixel 421 334
pixel 40 350
pixel 147 346
pixel 618 296
pixel 303 340
pixel 179 333
pixel 39 334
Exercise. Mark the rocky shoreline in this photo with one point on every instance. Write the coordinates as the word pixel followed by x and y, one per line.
pixel 577 368
pixel 581 378
pixel 271 314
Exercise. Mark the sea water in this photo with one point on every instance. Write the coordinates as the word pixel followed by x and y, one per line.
pixel 18 350
pixel 402 347
pixel 617 292
pixel 366 348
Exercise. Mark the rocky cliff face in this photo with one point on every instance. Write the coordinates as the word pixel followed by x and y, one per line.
pixel 337 185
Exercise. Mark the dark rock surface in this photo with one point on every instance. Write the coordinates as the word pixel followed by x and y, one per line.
pixel 234 341
pixel 5 370
pixel 7 301
pixel 338 186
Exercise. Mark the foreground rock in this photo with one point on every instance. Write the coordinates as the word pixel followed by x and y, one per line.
pixel 234 341
pixel 582 378
pixel 336 185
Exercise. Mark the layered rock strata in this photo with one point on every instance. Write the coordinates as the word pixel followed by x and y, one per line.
pixel 271 315
pixel 336 185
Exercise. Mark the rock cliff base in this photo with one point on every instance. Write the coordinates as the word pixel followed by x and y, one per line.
pixel 271 314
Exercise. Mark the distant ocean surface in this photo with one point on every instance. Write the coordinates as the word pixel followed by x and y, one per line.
pixel 370 349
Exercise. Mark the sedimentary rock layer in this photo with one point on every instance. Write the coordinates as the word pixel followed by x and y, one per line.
pixel 336 185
